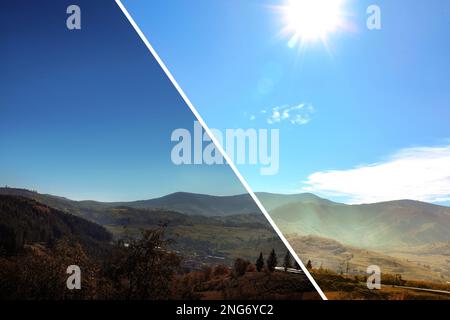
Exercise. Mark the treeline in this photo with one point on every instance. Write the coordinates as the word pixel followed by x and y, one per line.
pixel 242 266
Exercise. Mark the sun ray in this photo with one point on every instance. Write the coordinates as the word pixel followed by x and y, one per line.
pixel 310 21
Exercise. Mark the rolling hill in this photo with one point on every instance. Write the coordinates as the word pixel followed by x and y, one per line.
pixel 408 237
pixel 200 204
pixel 272 201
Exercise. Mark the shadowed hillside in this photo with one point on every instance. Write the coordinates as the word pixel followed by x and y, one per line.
pixel 25 222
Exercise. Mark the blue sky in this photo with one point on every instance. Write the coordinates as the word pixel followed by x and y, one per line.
pixel 88 114
pixel 381 99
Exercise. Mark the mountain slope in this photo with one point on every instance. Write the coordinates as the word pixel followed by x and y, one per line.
pixel 274 200
pixel 184 202
pixel 330 254
pixel 387 224
pixel 25 221
pixel 199 204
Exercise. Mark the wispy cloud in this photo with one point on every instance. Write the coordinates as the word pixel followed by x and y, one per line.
pixel 296 115
pixel 421 173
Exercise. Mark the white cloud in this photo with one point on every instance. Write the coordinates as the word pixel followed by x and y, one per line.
pixel 297 115
pixel 414 173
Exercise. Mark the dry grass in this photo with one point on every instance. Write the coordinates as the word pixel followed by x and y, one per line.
pixel 341 287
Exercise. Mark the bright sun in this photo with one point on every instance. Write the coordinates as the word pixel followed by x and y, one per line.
pixel 312 20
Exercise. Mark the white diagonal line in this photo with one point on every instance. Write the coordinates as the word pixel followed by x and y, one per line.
pixel 219 147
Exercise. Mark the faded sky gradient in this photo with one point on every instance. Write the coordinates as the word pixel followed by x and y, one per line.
pixel 88 114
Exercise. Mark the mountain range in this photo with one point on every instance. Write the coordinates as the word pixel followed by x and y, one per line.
pixel 226 230
pixel 184 202
pixel 403 229
pixel 378 225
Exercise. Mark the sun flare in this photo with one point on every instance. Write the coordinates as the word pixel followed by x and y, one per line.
pixel 312 20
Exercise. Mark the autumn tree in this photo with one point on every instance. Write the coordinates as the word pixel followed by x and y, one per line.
pixel 40 272
pixel 144 269
pixel 240 266
pixel 221 270
pixel 207 272
pixel 251 267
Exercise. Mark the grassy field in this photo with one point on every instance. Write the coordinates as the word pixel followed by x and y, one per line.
pixel 332 255
pixel 345 287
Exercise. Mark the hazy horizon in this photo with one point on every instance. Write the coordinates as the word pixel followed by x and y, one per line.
pixel 205 194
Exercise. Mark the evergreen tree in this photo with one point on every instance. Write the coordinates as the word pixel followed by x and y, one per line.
pixel 260 262
pixel 272 261
pixel 287 261
pixel 309 265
